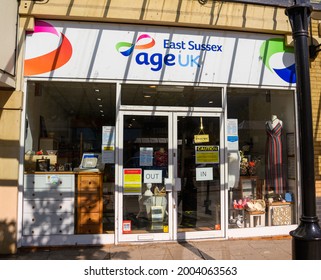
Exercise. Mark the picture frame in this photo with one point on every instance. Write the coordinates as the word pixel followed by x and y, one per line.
pixel 247 187
pixel 250 186
pixel 43 165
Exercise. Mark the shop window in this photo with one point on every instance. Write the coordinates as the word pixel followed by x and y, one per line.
pixel 64 122
pixel 262 160
pixel 163 95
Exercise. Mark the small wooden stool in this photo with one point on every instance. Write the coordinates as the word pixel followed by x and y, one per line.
pixel 256 218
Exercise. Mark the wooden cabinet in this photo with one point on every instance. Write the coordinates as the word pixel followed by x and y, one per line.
pixel 48 204
pixel 89 203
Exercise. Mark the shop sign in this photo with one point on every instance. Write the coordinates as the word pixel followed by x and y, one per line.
pixel 159 53
pixel 206 154
pixel 108 154
pixel 232 135
pixel 153 176
pixel 146 156
pixel 204 174
pixel 201 138
pixel 108 135
pixel 132 181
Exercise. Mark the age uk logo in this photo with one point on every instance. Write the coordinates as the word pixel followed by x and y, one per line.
pixel 155 60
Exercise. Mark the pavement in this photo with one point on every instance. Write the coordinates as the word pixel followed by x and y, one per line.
pixel 267 248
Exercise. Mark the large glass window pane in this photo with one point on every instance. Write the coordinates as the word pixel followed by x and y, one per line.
pixel 266 192
pixel 64 121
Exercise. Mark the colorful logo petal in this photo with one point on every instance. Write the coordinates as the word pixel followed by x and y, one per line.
pixel 272 47
pixel 126 48
pixel 52 60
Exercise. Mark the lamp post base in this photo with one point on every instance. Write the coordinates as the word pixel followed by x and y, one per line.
pixel 306 240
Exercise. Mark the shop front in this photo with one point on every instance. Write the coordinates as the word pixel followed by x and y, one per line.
pixel 145 133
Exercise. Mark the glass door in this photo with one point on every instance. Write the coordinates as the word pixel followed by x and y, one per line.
pixel 146 176
pixel 198 166
pixel 171 167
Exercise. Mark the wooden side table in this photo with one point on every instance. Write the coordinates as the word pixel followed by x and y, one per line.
pixel 256 218
pixel 279 213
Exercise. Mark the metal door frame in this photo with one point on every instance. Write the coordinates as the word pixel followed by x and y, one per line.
pixel 121 237
pixel 172 174
pixel 201 234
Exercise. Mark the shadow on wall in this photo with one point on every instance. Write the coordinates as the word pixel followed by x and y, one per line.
pixel 8 237
pixel 318 210
pixel 7 228
pixel 317 144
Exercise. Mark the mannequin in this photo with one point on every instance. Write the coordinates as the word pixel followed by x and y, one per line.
pixel 274 122
pixel 142 199
pixel 148 191
pixel 273 158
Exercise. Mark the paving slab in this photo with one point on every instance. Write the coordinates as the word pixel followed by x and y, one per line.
pixel 235 249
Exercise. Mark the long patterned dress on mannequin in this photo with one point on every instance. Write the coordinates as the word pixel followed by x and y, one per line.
pixel 273 159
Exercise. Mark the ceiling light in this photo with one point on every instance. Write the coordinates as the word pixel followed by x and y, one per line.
pixel 147 96
pixel 101 111
pixel 100 105
pixel 97 90
pixel 99 99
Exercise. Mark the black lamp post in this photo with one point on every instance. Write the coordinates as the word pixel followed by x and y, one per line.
pixel 306 239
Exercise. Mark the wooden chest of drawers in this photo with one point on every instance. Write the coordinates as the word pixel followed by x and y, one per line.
pixel 89 203
pixel 48 204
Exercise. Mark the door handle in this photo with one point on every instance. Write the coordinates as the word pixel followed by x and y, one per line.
pixel 168 184
pixel 178 184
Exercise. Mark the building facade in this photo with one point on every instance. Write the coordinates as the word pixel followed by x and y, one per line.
pixel 153 121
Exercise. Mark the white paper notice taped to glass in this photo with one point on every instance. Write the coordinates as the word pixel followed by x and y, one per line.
pixel 204 174
pixel 232 135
